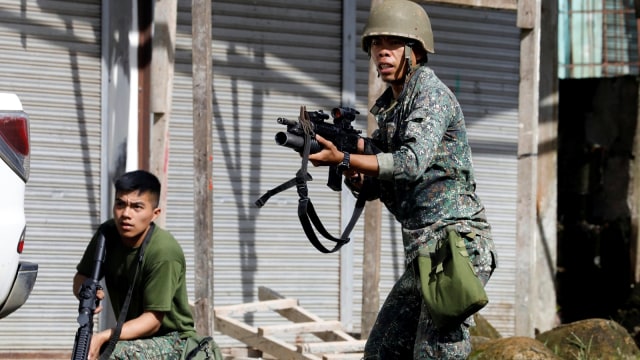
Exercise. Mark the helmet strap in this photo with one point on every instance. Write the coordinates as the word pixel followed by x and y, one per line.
pixel 407 57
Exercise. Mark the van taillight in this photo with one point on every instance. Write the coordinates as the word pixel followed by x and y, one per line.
pixel 21 242
pixel 14 141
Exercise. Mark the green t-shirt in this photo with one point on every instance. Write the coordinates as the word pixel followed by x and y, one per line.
pixel 161 282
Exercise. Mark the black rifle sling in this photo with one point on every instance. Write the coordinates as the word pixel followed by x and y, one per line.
pixel 306 212
pixel 308 215
pixel 282 187
pixel 125 307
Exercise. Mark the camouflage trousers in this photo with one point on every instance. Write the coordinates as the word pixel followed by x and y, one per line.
pixel 167 347
pixel 404 329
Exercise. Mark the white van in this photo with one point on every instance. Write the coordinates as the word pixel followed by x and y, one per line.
pixel 16 277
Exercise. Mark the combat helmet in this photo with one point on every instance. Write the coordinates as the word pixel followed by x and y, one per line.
pixel 401 18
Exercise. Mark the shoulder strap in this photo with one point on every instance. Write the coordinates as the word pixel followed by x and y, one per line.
pixel 125 307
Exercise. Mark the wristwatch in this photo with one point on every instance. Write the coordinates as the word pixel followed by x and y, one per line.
pixel 344 165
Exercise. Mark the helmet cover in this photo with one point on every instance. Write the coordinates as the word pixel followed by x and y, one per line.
pixel 401 18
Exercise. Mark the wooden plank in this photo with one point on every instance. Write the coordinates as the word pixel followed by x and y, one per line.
pixel 265 293
pixel 300 328
pixel 528 14
pixel 262 338
pixel 526 212
pixel 332 347
pixel 634 196
pixel 202 164
pixel 372 240
pixel 351 356
pixel 489 4
pixel 269 305
pixel 267 344
pixel 165 13
pixel 235 328
pixel 161 93
pixel 547 188
pixel 634 175
pixel 348 91
pixel 299 314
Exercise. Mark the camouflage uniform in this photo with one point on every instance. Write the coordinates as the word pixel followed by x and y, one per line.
pixel 426 181
pixel 167 347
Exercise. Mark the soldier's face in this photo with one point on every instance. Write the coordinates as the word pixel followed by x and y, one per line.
pixel 133 212
pixel 387 53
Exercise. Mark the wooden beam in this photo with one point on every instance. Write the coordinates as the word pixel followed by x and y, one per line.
pixel 299 314
pixel 634 181
pixel 332 347
pixel 264 338
pixel 528 14
pixel 267 344
pixel 202 163
pixel 161 93
pixel 351 356
pixel 300 328
pixel 269 305
pixel 634 201
pixel 547 188
pixel 372 227
pixel 347 200
pixel 489 4
pixel 526 218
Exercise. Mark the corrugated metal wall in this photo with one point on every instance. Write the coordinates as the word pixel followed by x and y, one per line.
pixel 50 57
pixel 269 58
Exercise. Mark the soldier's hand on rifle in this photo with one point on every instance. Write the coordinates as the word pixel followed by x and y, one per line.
pixel 355 178
pixel 99 297
pixel 329 155
pixel 97 342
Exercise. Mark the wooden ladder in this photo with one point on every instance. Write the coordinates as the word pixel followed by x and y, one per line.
pixel 335 344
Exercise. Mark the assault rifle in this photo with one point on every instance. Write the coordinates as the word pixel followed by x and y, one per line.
pixel 88 304
pixel 341 133
pixel 301 136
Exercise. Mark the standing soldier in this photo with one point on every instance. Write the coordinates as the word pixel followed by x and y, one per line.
pixel 421 163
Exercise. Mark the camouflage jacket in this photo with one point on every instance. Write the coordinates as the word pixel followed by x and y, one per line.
pixel 425 169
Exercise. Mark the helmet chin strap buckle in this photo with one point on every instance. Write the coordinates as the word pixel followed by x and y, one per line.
pixel 407 56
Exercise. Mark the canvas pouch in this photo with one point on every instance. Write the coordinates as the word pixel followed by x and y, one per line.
pixel 452 292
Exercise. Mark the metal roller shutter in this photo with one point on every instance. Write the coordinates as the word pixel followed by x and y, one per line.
pixel 50 54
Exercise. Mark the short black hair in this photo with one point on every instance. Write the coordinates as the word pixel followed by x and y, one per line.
pixel 142 181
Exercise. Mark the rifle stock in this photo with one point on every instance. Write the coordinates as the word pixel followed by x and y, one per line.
pixel 88 304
